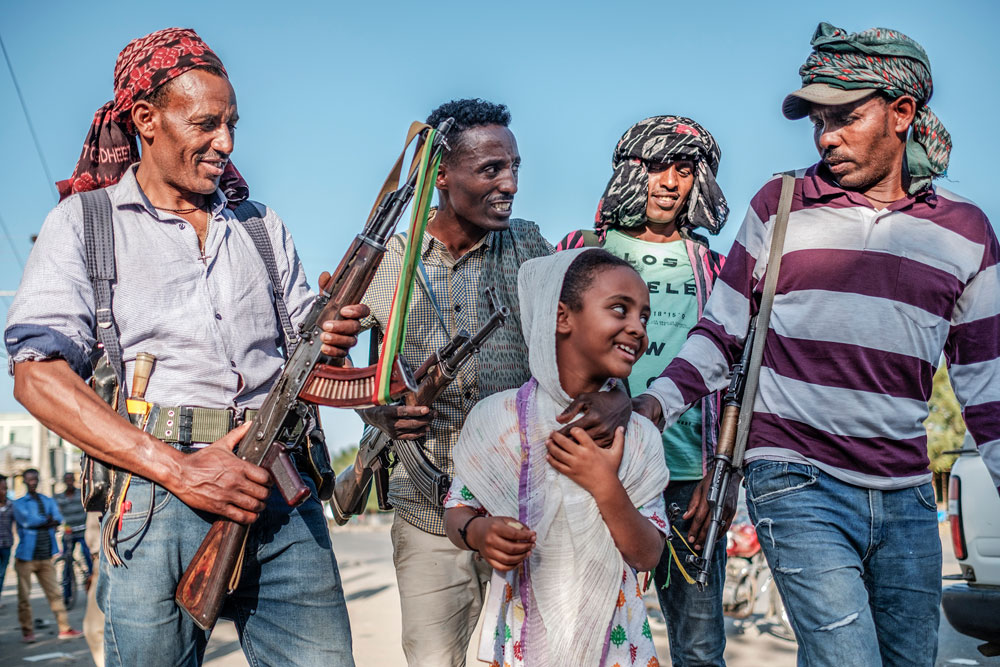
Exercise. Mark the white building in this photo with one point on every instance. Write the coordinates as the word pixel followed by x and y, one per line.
pixel 25 443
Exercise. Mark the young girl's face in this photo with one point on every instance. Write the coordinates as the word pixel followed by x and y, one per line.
pixel 608 334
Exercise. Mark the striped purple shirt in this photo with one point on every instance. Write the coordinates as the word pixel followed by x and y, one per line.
pixel 866 303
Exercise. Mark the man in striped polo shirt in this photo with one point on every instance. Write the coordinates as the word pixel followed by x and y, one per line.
pixel 882 272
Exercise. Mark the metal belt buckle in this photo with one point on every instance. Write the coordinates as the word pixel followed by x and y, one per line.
pixel 236 417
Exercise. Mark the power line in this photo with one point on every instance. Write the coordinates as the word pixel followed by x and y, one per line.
pixel 27 118
pixel 10 240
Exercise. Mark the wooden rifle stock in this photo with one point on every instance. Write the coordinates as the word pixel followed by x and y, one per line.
pixel 211 571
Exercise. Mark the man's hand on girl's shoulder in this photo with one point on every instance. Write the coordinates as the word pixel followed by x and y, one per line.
pixel 650 408
pixel 603 412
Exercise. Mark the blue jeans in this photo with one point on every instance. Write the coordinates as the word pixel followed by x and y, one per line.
pixel 69 545
pixel 859 570
pixel 289 607
pixel 4 561
pixel 695 626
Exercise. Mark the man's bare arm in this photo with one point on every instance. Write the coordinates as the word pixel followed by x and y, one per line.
pixel 212 479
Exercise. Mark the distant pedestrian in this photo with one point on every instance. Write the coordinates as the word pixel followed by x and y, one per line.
pixel 6 533
pixel 74 525
pixel 37 516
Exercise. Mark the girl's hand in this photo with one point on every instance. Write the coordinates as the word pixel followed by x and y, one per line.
pixel 579 458
pixel 504 542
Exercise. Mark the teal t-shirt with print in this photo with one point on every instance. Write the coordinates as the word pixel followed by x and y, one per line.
pixel 673 301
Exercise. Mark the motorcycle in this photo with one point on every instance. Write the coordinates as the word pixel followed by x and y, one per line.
pixel 750 595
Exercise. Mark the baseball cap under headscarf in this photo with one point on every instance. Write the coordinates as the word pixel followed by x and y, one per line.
pixel 844 68
pixel 142 67
pixel 663 139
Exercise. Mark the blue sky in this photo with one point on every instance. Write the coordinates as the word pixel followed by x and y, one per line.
pixel 326 91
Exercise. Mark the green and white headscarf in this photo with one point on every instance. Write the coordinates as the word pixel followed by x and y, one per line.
pixel 889 61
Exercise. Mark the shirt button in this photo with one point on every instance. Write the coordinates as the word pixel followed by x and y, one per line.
pixel 232 363
pixel 218 316
pixel 182 226
pixel 458 308
pixel 468 394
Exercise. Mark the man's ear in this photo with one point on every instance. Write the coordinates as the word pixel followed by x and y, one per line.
pixel 563 324
pixel 144 117
pixel 902 111
pixel 441 182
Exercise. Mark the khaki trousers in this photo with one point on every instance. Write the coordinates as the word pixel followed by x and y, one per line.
pixel 441 593
pixel 45 572
pixel 93 620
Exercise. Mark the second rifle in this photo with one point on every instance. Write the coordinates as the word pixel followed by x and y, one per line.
pixel 727 460
pixel 350 494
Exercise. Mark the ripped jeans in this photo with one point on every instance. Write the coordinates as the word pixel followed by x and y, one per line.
pixel 859 570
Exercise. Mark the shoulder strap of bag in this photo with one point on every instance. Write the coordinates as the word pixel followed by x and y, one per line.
pixel 99 242
pixel 764 314
pixel 248 214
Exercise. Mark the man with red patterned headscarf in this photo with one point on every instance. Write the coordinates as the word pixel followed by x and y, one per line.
pixel 193 290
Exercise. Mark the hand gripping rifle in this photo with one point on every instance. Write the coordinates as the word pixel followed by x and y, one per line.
pixel 726 460
pixel 739 399
pixel 350 493
pixel 308 377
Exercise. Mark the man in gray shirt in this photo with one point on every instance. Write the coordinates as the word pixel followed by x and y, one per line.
pixel 193 291
pixel 74 524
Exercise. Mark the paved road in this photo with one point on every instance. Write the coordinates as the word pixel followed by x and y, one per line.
pixel 365 557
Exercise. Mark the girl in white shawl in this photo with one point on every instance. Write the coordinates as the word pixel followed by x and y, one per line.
pixel 564 523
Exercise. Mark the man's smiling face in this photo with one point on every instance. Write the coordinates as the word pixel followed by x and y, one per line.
pixel 193 132
pixel 670 185
pixel 480 179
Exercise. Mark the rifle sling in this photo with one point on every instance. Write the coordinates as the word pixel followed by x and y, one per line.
pixel 764 316
pixel 421 471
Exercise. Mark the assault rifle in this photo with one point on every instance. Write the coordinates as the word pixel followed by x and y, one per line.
pixel 308 376
pixel 353 485
pixel 728 458
pixel 743 385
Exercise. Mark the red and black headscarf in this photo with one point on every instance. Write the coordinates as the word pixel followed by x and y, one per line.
pixel 144 65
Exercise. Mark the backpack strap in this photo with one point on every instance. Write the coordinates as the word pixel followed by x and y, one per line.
pixel 99 242
pixel 580 238
pixel 248 214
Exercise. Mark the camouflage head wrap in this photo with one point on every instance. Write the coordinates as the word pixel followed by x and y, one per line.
pixel 663 139
pixel 891 62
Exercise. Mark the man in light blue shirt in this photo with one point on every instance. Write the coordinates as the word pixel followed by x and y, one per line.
pixel 37 517
pixel 193 291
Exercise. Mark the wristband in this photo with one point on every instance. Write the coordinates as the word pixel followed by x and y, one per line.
pixel 463 531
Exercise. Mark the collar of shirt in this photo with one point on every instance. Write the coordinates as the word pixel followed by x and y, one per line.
pixel 817 185
pixel 128 192
pixel 433 248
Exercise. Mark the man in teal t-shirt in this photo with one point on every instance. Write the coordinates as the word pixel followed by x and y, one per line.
pixel 662 188
pixel 673 297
